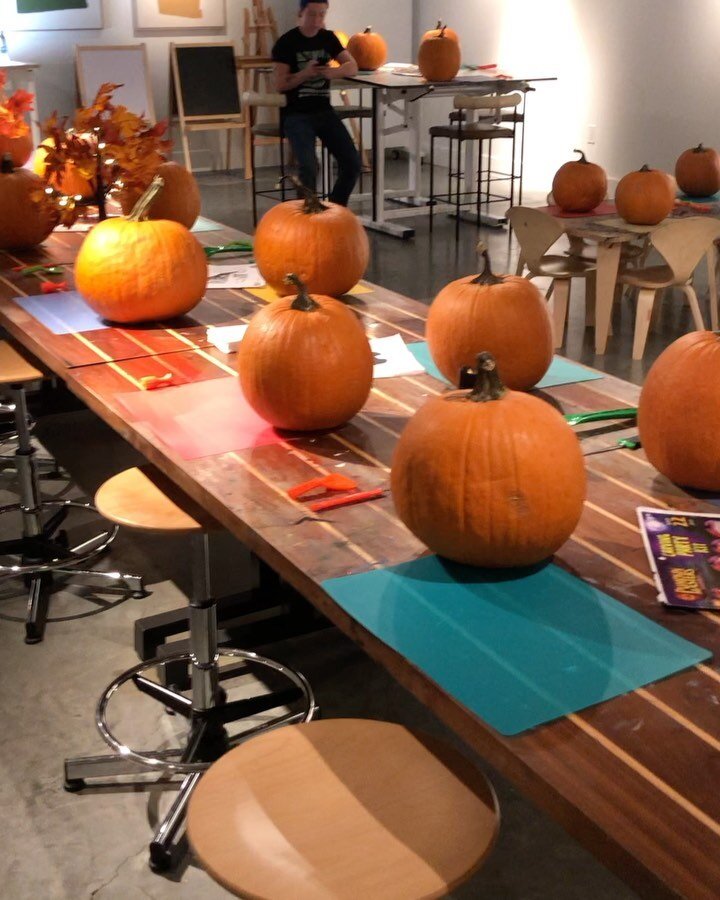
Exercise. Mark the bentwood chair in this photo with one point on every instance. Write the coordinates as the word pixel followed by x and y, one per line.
pixel 262 134
pixel 536 232
pixel 682 244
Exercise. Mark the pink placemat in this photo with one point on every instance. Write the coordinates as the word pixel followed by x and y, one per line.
pixel 606 208
pixel 201 419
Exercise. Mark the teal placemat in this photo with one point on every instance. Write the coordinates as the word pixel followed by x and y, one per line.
pixel 203 224
pixel 561 370
pixel 517 649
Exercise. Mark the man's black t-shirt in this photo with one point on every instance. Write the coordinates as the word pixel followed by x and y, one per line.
pixel 296 51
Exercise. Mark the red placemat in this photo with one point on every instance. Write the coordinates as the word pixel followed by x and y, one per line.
pixel 201 419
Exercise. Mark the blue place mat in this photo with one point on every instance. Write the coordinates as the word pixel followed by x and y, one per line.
pixel 517 648
pixel 203 224
pixel 712 199
pixel 561 370
pixel 62 313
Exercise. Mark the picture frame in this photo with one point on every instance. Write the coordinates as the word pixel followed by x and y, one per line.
pixel 179 16
pixel 123 64
pixel 53 15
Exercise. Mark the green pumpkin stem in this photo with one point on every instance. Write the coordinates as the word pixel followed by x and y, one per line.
pixel 487 276
pixel 487 381
pixel 583 158
pixel 7 167
pixel 313 203
pixel 303 301
pixel 141 208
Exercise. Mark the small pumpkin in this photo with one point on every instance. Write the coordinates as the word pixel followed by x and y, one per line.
pixel 70 181
pixel 504 313
pixel 305 362
pixel 697 171
pixel 439 57
pixel 179 200
pixel 489 477
pixel 131 270
pixel 20 147
pixel 450 34
pixel 368 49
pixel 27 220
pixel 579 185
pixel 324 243
pixel 645 197
pixel 679 411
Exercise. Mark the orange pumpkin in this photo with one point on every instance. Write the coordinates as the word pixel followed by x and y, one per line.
pixel 70 182
pixel 697 171
pixel 19 147
pixel 343 37
pixel 439 57
pixel 26 220
pixel 489 477
pixel 324 243
pixel 506 314
pixel 579 185
pixel 130 270
pixel 368 49
pixel 645 197
pixel 305 363
pixel 179 200
pixel 435 32
pixel 679 411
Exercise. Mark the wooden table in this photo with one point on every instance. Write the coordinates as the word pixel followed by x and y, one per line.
pixel 632 778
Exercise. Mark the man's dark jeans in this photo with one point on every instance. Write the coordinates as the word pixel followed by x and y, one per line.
pixel 302 129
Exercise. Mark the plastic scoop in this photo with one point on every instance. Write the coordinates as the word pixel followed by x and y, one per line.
pixel 332 482
pixel 601 415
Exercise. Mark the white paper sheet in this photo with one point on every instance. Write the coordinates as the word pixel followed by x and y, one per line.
pixel 226 337
pixel 393 358
pixel 234 276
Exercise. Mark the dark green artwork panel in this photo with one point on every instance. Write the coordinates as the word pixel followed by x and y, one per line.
pixel 41 6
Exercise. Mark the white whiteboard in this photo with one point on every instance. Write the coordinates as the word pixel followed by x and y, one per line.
pixel 125 65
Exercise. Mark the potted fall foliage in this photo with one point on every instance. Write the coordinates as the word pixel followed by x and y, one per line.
pixel 15 137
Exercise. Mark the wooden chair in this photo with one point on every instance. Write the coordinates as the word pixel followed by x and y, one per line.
pixel 536 232
pixel 143 499
pixel 682 244
pixel 343 809
pixel 252 101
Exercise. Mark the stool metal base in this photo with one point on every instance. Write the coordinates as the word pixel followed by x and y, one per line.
pixel 206 741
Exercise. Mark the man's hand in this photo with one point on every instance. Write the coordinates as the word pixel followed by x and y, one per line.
pixel 314 69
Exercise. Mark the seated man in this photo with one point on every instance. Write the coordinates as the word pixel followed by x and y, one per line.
pixel 302 72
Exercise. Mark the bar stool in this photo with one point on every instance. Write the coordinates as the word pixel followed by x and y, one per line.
pixel 143 499
pixel 271 132
pixel 343 809
pixel 43 551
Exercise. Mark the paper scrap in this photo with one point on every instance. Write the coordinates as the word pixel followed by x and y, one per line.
pixel 392 358
pixel 234 276
pixel 226 337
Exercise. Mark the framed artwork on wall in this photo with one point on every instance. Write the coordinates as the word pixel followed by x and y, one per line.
pixel 51 15
pixel 179 15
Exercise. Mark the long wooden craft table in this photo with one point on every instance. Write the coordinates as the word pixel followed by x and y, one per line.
pixel 632 778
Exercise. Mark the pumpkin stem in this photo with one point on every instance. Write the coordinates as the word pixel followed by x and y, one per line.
pixel 487 276
pixel 582 156
pixel 303 301
pixel 439 25
pixel 6 167
pixel 442 31
pixel 139 211
pixel 699 148
pixel 645 168
pixel 487 384
pixel 368 29
pixel 313 203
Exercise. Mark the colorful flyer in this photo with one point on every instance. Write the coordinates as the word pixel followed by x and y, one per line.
pixel 684 553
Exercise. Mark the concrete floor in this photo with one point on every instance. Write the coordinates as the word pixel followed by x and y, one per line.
pixel 94 844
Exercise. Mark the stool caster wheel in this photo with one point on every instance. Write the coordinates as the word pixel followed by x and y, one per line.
pixel 161 860
pixel 73 785
pixel 140 595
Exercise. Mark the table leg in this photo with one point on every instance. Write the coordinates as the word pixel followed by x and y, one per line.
pixel 711 257
pixel 608 258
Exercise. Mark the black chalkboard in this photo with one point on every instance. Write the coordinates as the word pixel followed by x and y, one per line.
pixel 206 79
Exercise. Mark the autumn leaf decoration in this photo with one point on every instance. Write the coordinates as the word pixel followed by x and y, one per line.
pixel 106 144
pixel 13 109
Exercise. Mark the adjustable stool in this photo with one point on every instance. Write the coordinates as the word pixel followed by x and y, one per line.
pixel 43 549
pixel 343 809
pixel 143 499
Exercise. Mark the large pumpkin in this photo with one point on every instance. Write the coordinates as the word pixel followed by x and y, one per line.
pixel 679 411
pixel 26 219
pixel 323 243
pixel 69 181
pixel 506 314
pixel 130 270
pixel 179 200
pixel 305 362
pixel 645 197
pixel 435 32
pixel 19 147
pixel 368 49
pixel 579 185
pixel 489 477
pixel 697 171
pixel 439 57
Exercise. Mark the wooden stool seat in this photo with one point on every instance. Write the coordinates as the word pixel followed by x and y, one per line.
pixel 14 368
pixel 344 808
pixel 145 499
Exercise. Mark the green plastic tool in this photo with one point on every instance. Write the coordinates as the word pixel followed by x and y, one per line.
pixel 232 247
pixel 601 415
